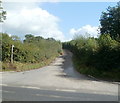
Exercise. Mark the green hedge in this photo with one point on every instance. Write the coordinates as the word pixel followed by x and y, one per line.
pixel 33 49
pixel 96 56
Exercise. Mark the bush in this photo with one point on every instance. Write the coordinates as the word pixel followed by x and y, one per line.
pixel 97 57
pixel 31 50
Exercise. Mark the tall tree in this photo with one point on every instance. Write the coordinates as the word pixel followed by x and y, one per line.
pixel 29 38
pixel 110 22
pixel 2 13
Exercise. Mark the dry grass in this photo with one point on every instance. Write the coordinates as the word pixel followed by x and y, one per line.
pixel 17 66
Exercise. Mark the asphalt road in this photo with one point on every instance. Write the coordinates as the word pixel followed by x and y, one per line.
pixel 58 81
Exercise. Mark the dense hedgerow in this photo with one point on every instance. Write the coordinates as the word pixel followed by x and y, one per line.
pixel 96 54
pixel 31 50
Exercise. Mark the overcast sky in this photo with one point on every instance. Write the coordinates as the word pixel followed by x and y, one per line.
pixel 60 20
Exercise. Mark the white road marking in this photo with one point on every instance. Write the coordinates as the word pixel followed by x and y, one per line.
pixel 3 85
pixel 30 87
pixel 48 95
pixel 56 96
pixel 66 90
pixel 21 86
pixel 7 91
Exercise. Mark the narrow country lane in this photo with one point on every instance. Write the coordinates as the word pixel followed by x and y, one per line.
pixel 58 81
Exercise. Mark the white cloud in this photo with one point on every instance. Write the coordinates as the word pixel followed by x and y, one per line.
pixel 86 30
pixel 24 18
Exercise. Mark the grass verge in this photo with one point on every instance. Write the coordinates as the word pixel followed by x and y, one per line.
pixel 112 75
pixel 17 66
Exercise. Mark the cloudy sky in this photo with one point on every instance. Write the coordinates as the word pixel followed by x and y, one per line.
pixel 60 20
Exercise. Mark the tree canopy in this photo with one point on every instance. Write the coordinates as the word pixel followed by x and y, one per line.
pixel 2 13
pixel 110 22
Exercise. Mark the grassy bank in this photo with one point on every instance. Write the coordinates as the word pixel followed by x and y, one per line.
pixel 112 75
pixel 17 66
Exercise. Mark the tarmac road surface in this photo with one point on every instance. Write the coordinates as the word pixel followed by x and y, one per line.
pixel 58 81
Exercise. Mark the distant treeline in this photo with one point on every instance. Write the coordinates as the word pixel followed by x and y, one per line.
pixel 34 49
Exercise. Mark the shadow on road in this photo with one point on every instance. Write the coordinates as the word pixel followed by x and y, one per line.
pixel 68 69
pixel 70 72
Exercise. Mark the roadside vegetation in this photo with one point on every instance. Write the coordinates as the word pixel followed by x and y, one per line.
pixel 31 53
pixel 99 57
